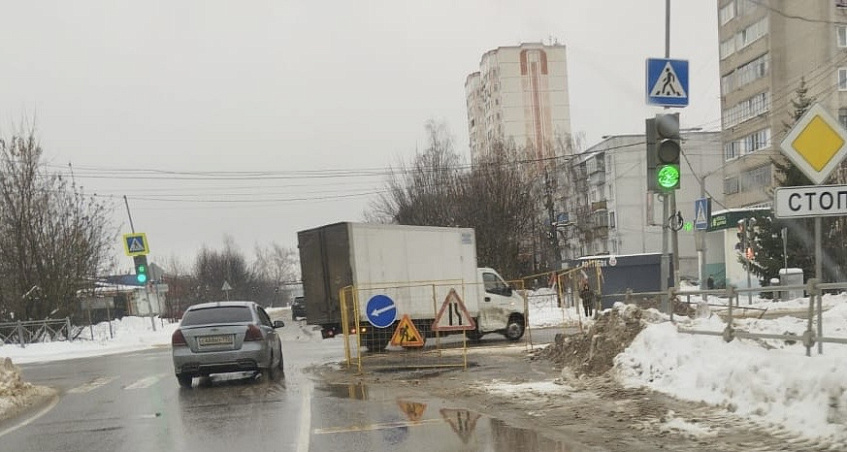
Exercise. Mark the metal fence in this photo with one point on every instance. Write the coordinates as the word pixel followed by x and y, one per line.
pixel 418 341
pixel 31 331
pixel 814 334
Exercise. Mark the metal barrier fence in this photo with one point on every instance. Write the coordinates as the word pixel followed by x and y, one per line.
pixel 443 312
pixel 31 331
pixel 809 338
pixel 565 285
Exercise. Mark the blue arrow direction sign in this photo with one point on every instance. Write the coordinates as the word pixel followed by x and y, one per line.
pixel 667 82
pixel 702 213
pixel 381 311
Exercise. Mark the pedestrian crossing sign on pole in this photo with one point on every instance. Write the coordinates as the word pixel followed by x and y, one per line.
pixel 667 82
pixel 135 244
pixel 702 213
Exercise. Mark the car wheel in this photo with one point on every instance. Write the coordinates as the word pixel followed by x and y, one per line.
pixel 515 328
pixel 184 380
pixel 474 336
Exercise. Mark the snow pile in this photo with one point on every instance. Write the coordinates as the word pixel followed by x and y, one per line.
pixel 130 334
pixel 770 381
pixel 593 352
pixel 13 390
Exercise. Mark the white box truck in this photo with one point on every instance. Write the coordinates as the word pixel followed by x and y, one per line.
pixel 412 269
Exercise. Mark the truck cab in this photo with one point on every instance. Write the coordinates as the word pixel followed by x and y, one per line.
pixel 501 308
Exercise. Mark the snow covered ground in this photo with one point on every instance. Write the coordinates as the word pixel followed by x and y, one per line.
pixel 767 380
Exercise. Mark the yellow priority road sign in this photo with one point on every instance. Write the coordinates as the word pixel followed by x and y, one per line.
pixel 816 144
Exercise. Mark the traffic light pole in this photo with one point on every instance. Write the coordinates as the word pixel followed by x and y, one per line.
pixel 670 198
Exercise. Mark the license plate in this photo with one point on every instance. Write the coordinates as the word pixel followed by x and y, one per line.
pixel 220 339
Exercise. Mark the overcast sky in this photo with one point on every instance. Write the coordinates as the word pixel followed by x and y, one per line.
pixel 317 96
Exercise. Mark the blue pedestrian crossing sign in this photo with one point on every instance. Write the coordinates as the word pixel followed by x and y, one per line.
pixel 381 311
pixel 702 213
pixel 135 244
pixel 667 82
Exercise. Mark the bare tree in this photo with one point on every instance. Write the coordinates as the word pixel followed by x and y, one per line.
pixel 54 239
pixel 212 268
pixel 275 269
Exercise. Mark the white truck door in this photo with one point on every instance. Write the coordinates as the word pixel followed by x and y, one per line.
pixel 496 303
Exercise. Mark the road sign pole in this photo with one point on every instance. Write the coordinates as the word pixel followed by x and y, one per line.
pixel 819 276
pixel 675 241
pixel 665 265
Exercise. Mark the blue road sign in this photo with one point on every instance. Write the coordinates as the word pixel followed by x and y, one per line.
pixel 702 213
pixel 667 82
pixel 381 311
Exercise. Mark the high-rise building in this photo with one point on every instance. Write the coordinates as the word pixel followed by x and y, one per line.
pixel 520 93
pixel 768 49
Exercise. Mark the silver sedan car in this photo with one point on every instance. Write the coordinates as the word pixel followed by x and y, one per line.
pixel 226 336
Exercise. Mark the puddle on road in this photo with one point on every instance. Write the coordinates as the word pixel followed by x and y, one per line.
pixel 473 430
pixel 356 391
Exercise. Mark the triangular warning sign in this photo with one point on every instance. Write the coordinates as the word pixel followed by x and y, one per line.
pixel 406 335
pixel 463 422
pixel 453 315
pixel 136 245
pixel 413 410
pixel 668 84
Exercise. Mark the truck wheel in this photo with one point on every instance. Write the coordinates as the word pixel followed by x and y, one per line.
pixel 184 380
pixel 474 336
pixel 515 328
pixel 375 344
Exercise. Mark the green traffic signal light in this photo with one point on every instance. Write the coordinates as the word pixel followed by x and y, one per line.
pixel 667 177
pixel 140 269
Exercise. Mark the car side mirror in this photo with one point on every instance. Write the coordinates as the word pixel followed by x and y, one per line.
pixel 278 324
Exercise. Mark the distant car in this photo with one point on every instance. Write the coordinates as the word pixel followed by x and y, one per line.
pixel 298 308
pixel 226 336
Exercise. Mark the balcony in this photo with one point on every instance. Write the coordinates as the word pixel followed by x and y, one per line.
pixel 599 205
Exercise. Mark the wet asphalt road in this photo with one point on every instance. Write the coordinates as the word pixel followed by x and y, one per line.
pixel 132 402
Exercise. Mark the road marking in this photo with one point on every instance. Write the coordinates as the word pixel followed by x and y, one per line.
pixel 146 382
pixel 371 427
pixel 305 419
pixel 43 411
pixel 92 385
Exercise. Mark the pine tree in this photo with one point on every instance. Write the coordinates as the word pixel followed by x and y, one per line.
pixel 768 241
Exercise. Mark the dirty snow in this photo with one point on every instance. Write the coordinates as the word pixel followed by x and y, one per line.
pixel 770 381
pixel 766 380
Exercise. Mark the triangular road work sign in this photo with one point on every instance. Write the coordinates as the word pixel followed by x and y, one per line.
pixel 668 84
pixel 413 410
pixel 406 335
pixel 463 422
pixel 226 286
pixel 453 315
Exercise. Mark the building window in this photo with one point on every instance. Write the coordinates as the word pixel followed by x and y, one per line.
pixel 727 13
pixel 727 48
pixel 746 109
pixel 756 178
pixel 842 79
pixel 730 185
pixel 612 219
pixel 751 34
pixel 730 150
pixel 726 83
pixel 841 33
pixel 842 117
pixel 745 7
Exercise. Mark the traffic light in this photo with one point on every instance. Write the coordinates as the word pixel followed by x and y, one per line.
pixel 663 152
pixel 741 245
pixel 140 269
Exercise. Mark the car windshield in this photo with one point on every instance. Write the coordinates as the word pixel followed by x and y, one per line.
pixel 217 314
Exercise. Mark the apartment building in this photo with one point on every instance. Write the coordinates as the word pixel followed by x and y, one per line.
pixel 768 48
pixel 609 211
pixel 520 93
